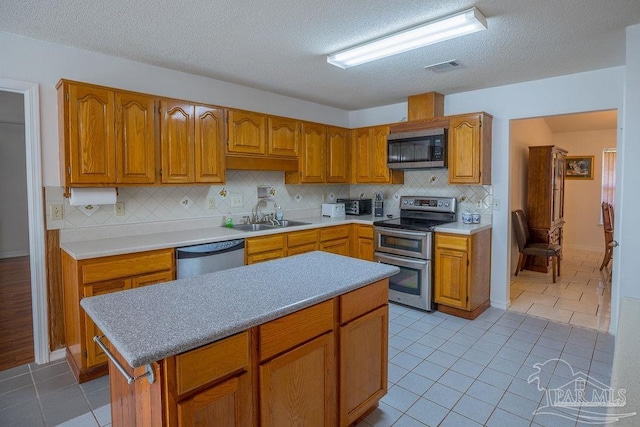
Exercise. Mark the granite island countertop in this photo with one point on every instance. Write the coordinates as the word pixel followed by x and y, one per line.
pixel 154 322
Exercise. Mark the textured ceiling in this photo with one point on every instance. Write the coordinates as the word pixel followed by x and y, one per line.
pixel 281 45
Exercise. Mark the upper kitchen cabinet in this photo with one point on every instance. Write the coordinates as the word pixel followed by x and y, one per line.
pixel 178 149
pixel 87 132
pixel 338 155
pixel 369 160
pixel 259 142
pixel 191 143
pixel 246 132
pixel 209 144
pixel 135 138
pixel 283 136
pixel 469 148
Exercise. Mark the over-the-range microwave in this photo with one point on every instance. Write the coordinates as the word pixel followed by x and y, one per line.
pixel 418 149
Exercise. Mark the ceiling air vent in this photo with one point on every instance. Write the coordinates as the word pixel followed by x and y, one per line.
pixel 443 66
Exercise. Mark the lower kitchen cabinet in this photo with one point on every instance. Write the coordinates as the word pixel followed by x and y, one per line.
pixel 462 276
pixel 98 276
pixel 336 240
pixel 300 242
pixel 363 245
pixel 264 248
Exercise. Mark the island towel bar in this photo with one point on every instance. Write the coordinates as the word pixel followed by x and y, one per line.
pixel 130 380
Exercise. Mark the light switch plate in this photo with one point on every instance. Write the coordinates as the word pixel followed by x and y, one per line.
pixel 55 211
pixel 211 203
pixel 496 204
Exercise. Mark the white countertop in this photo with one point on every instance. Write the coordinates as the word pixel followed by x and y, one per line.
pixel 125 244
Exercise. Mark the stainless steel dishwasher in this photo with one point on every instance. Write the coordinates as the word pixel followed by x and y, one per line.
pixel 201 259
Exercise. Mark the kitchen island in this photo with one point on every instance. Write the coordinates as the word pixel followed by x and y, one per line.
pixel 296 341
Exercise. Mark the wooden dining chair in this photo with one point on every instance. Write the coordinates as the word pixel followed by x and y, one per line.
pixel 607 222
pixel 528 248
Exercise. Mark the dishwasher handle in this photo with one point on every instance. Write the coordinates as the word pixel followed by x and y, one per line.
pixel 199 251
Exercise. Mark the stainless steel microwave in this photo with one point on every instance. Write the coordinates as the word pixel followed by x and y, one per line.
pixel 419 149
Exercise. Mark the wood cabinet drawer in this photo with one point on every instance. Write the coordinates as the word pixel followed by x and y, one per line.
pixel 363 300
pixel 448 241
pixel 332 233
pixel 364 231
pixel 299 238
pixel 203 365
pixel 265 244
pixel 289 331
pixel 114 267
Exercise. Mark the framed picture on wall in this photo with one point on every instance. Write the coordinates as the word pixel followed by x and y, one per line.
pixel 579 167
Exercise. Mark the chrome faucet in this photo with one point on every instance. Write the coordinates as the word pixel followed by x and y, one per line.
pixel 265 218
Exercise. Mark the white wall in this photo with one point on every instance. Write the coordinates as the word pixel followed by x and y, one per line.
pixel 14 227
pixel 34 61
pixel 582 197
pixel 626 268
pixel 590 91
pixel 523 133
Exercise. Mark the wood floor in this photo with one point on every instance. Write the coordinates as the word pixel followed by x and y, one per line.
pixel 16 327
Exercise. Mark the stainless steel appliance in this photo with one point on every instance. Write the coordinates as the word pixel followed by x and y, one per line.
pixel 418 149
pixel 407 242
pixel 201 259
pixel 357 206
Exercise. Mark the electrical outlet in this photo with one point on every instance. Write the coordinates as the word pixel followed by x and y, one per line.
pixel 55 212
pixel 211 203
pixel 236 201
pixel 478 204
pixel 496 204
pixel 118 209
pixel 324 197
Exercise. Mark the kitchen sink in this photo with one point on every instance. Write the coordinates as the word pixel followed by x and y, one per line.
pixel 268 226
pixel 290 223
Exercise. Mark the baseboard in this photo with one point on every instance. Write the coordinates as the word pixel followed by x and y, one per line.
pixel 500 304
pixel 57 354
pixel 13 254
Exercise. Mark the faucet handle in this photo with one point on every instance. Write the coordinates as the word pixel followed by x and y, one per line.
pixel 246 219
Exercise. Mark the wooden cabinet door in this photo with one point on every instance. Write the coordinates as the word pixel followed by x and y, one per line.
pixel 378 145
pixel 464 149
pixel 92 150
pixel 135 138
pixel 338 247
pixel 313 153
pixel 338 160
pixel 246 132
pixel 361 155
pixel 284 137
pixel 363 242
pixel 95 356
pixel 178 149
pixel 152 279
pixel 299 386
pixel 220 405
pixel 451 277
pixel 209 144
pixel 363 364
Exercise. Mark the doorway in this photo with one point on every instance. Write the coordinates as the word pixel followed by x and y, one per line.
pixel 582 296
pixel 35 214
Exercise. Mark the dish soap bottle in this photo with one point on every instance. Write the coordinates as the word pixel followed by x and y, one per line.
pixel 228 222
pixel 279 213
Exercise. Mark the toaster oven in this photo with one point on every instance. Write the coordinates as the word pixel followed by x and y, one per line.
pixel 357 206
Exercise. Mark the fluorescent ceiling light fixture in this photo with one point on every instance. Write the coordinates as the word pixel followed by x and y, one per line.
pixel 460 24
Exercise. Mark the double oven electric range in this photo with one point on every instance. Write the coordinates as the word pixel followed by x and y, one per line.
pixel 407 242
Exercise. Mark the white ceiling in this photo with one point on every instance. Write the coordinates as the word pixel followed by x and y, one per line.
pixel 281 45
pixel 583 122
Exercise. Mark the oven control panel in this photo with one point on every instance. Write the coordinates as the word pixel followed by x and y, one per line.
pixel 429 204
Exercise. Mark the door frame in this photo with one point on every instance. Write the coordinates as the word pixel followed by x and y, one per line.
pixel 37 248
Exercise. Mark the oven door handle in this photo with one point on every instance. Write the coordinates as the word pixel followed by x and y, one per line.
pixel 404 233
pixel 400 261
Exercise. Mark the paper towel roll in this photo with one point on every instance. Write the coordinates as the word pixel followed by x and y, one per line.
pixel 92 196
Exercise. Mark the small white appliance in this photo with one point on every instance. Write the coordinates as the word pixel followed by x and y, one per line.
pixel 333 209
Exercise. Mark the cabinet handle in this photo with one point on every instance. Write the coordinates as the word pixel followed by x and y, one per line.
pixel 130 380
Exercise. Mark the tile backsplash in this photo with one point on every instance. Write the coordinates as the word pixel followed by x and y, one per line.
pixel 167 203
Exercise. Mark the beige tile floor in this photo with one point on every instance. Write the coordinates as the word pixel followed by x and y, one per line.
pixel 580 297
